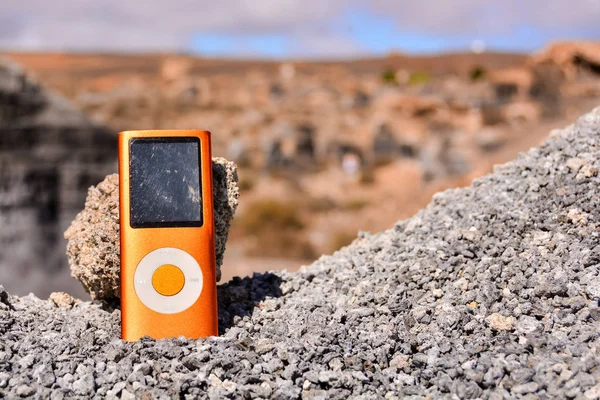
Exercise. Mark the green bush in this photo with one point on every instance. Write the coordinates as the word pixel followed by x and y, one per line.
pixel 477 73
pixel 389 76
pixel 270 214
pixel 341 239
pixel 356 204
pixel 277 228
pixel 419 77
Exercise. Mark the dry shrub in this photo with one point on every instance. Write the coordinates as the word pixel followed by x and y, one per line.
pixel 367 176
pixel 277 228
pixel 492 115
pixel 246 184
pixel 284 244
pixel 270 214
pixel 340 239
pixel 477 73
pixel 321 204
pixel 356 204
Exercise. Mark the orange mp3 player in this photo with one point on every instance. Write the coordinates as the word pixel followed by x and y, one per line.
pixel 168 282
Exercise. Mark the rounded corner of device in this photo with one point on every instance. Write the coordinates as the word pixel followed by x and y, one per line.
pixel 125 135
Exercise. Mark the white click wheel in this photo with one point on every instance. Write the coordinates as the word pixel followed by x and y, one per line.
pixel 168 280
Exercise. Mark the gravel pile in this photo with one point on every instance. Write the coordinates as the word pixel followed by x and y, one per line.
pixel 490 292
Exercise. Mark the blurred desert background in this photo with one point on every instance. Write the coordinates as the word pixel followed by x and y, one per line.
pixel 328 143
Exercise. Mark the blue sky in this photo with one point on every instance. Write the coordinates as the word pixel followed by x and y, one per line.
pixel 223 44
pixel 294 28
pixel 380 34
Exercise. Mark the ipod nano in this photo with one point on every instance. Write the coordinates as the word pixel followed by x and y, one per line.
pixel 168 278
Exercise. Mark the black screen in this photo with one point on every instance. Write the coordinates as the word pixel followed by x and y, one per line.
pixel 165 189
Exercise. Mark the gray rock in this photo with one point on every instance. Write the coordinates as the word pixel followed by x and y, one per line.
pixel 24 391
pixel 593 393
pixel 44 375
pixel 525 388
pixel 527 324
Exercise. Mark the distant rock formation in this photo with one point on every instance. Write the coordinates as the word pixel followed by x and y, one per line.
pixel 565 71
pixel 50 153
pixel 573 58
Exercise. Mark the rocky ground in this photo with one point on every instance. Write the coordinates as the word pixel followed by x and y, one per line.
pixel 490 292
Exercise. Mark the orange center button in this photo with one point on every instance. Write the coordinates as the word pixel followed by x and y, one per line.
pixel 168 280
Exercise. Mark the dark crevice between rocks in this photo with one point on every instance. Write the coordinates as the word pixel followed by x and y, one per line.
pixel 239 297
pixel 4 298
pixel 236 298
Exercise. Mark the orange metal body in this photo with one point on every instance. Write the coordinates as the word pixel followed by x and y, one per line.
pixel 137 320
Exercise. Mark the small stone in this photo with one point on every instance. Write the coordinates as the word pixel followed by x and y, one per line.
pixel 575 163
pixel 399 361
pixel 62 299
pixel 25 391
pixel 493 376
pixel 587 171
pixel 44 375
pixel 593 288
pixel 336 364
pixel 499 322
pixel 525 388
pixel 27 361
pixel 215 381
pixel 577 217
pixel 360 376
pixel 553 283
pixel 126 395
pixel 527 324
pixel 118 387
pixel 229 386
pixel 473 305
pixel 265 390
pixel 84 385
pixel 363 312
pixel 4 378
pixel 522 375
pixel 327 376
pixel 592 393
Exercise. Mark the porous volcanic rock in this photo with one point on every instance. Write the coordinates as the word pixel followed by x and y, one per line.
pixel 490 292
pixel 93 243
